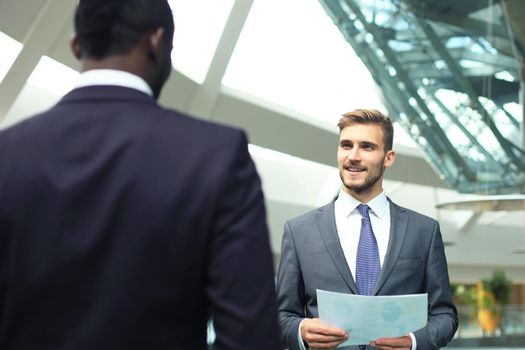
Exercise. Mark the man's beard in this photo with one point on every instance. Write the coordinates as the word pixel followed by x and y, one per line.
pixel 370 181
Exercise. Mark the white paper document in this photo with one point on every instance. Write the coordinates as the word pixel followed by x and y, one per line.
pixel 367 318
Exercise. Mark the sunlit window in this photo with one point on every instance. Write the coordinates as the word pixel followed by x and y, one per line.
pixel 198 28
pixel 48 82
pixel 290 53
pixel 10 48
pixel 53 76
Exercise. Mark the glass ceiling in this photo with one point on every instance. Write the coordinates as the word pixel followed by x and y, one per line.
pixel 10 50
pixel 451 84
pixel 449 74
pixel 291 54
pixel 198 28
pixel 302 63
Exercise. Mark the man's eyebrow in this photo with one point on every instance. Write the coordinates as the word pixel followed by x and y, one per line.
pixel 345 141
pixel 360 142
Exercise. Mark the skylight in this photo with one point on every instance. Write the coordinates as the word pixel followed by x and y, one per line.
pixel 53 76
pixel 290 53
pixel 198 28
pixel 10 49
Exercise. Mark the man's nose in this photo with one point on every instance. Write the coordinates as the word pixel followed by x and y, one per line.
pixel 354 154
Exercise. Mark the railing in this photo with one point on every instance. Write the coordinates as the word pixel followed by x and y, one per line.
pixel 512 322
pixel 508 334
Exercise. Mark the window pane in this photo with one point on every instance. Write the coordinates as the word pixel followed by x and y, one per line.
pixel 198 28
pixel 290 53
pixel 10 49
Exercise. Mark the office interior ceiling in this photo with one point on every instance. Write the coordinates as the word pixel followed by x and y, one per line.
pixel 450 73
pixel 247 82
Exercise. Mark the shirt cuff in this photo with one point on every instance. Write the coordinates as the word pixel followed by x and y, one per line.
pixel 300 339
pixel 414 343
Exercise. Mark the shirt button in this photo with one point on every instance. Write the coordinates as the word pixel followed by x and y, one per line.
pixel 362 347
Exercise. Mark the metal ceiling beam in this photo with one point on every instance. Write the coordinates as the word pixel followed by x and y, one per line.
pixel 514 10
pixel 394 98
pixel 465 86
pixel 438 135
pixel 464 130
pixel 421 56
pixel 400 77
pixel 438 140
pixel 498 37
pixel 411 35
pixel 463 7
pixel 428 70
pixel 470 25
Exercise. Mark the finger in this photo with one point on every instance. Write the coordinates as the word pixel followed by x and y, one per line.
pixel 401 342
pixel 389 347
pixel 329 345
pixel 321 338
pixel 326 330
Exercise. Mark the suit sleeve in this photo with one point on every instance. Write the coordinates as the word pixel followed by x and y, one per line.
pixel 241 286
pixel 290 292
pixel 442 315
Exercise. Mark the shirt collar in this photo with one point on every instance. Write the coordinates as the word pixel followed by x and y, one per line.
pixel 113 77
pixel 379 205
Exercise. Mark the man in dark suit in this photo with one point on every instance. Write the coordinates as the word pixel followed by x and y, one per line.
pixel 124 225
pixel 389 249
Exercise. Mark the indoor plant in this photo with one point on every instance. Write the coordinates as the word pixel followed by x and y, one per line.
pixel 492 293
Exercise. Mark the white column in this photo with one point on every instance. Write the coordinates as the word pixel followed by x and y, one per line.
pixel 206 96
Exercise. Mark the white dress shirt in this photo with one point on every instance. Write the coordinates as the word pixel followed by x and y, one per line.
pixel 348 223
pixel 113 77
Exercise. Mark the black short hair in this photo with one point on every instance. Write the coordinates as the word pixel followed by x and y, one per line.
pixel 108 27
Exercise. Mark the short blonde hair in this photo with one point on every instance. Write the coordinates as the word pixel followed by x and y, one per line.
pixel 370 116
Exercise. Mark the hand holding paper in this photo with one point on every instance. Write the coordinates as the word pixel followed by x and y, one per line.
pixel 400 343
pixel 370 318
pixel 321 336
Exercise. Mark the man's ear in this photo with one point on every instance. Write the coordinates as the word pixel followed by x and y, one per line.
pixel 75 47
pixel 389 159
pixel 155 42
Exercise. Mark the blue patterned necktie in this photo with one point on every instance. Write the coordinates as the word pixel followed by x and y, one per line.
pixel 368 265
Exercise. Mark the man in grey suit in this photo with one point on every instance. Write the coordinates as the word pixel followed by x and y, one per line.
pixel 389 249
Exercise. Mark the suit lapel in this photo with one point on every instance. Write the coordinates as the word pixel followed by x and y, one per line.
pixel 328 231
pixel 398 228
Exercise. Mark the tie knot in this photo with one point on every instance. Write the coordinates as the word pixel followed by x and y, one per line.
pixel 363 210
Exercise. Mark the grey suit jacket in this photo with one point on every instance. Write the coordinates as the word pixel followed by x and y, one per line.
pixel 312 258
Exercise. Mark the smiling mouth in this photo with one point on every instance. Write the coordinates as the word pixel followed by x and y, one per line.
pixel 353 169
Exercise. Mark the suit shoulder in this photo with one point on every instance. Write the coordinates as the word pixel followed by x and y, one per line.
pixel 183 119
pixel 21 128
pixel 415 215
pixel 308 218
pixel 182 129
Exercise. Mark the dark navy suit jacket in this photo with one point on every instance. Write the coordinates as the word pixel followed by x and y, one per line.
pixel 124 225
